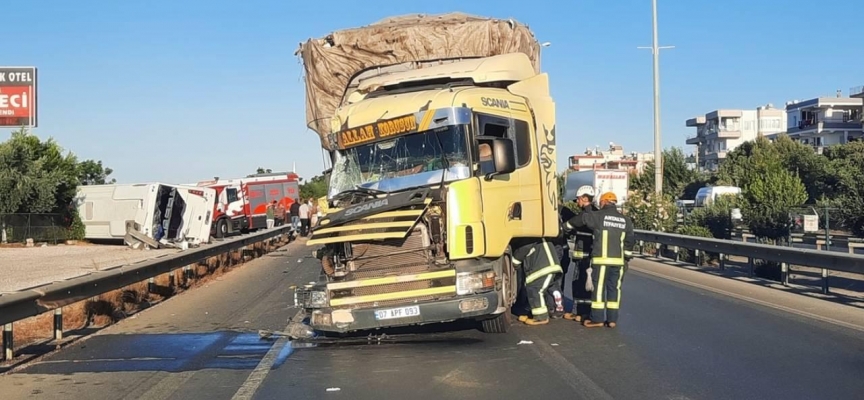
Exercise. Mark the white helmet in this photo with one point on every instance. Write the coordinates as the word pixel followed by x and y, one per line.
pixel 585 190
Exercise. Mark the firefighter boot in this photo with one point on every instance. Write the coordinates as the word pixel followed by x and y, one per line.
pixel 573 317
pixel 590 324
pixel 533 322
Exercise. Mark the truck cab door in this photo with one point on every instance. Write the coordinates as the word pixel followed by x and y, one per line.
pixel 507 206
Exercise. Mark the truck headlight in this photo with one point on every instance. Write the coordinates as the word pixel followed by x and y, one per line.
pixel 317 298
pixel 310 298
pixel 474 282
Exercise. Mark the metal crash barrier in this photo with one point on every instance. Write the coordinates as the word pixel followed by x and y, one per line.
pixel 54 296
pixel 785 256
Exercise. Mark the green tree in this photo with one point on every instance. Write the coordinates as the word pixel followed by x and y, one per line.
pixel 315 187
pixel 91 172
pixel 812 168
pixel 770 187
pixel 36 176
pixel 678 177
pixel 770 199
pixel 844 181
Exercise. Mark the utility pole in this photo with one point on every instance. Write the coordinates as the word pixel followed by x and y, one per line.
pixel 658 149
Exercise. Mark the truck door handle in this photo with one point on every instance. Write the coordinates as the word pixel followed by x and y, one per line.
pixel 515 212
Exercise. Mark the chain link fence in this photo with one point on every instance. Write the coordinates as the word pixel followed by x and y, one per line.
pixel 17 228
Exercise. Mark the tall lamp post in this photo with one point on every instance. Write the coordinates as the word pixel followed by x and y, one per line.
pixel 658 150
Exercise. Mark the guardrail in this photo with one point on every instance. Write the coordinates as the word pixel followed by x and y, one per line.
pixel 825 260
pixel 54 296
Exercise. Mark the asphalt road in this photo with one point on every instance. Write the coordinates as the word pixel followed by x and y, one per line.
pixel 674 341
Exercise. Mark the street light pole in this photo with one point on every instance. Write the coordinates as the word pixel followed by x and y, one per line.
pixel 658 149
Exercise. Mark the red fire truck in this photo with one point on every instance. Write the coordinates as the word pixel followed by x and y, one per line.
pixel 241 204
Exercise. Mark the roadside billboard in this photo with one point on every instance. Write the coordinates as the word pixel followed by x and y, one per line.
pixel 18 97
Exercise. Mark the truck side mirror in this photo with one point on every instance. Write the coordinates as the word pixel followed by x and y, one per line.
pixel 503 156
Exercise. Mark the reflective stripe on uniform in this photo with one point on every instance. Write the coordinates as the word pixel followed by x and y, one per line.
pixel 610 261
pixel 614 305
pixel 542 309
pixel 552 269
pixel 577 255
pixel 519 262
pixel 597 300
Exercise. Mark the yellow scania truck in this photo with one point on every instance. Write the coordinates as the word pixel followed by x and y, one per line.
pixel 441 136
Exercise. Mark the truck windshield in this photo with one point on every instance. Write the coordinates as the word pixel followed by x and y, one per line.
pixel 407 161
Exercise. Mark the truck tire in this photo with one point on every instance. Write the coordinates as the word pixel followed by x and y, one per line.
pixel 221 228
pixel 501 322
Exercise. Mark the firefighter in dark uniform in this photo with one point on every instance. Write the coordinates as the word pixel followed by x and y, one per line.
pixel 581 257
pixel 613 238
pixel 540 265
pixel 555 297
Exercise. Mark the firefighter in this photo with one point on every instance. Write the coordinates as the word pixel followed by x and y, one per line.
pixel 562 249
pixel 540 267
pixel 613 238
pixel 581 258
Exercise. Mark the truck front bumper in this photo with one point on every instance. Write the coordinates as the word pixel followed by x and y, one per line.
pixel 461 307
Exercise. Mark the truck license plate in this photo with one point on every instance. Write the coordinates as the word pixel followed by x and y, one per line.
pixel 400 312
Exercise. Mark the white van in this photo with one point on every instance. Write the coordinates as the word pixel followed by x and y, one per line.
pixel 706 195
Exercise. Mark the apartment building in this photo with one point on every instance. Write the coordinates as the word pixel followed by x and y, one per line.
pixel 721 131
pixel 825 121
pixel 613 158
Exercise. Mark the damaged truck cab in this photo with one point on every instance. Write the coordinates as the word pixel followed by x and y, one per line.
pixel 436 172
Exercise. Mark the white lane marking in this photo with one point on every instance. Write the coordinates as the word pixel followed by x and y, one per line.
pixel 256 378
pixel 576 379
pixel 752 300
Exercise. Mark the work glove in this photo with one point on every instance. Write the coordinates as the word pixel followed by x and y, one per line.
pixel 589 283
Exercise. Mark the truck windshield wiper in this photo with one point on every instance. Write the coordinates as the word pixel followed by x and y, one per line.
pixel 361 190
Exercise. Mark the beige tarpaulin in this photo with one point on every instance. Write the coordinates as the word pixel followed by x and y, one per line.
pixel 333 63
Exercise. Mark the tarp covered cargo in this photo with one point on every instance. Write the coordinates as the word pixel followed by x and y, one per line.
pixel 335 64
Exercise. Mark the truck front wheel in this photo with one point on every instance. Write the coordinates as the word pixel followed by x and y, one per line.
pixel 501 322
pixel 221 228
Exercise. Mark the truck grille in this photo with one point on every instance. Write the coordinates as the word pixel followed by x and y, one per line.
pixel 377 258
pixel 361 293
pixel 386 259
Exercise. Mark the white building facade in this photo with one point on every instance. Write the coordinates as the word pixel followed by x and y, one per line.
pixel 825 121
pixel 721 131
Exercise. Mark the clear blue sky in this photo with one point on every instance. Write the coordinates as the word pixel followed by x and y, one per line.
pixel 181 91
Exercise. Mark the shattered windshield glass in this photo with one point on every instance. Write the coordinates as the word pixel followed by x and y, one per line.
pixel 407 161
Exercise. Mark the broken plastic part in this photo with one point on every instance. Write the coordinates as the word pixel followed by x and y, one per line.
pixel 297 330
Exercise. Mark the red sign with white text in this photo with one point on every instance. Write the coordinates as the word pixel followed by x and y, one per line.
pixel 17 96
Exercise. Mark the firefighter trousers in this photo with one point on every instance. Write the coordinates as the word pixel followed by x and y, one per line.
pixel 581 297
pixel 606 298
pixel 536 289
pixel 564 260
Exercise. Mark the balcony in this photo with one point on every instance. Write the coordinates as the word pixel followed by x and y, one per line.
pixel 732 132
pixel 696 140
pixel 715 155
pixel 695 122
pixel 818 126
